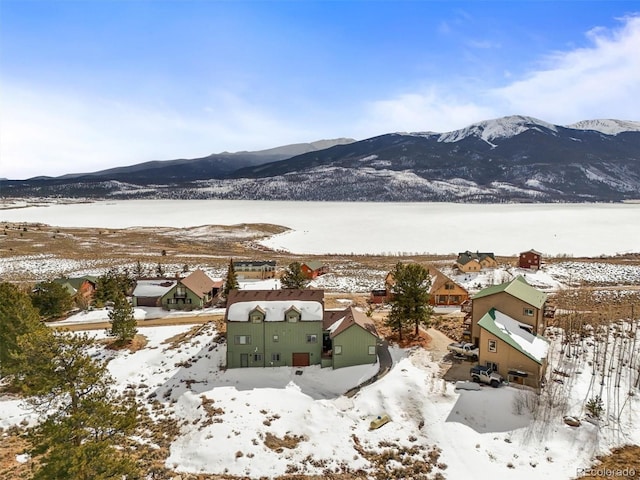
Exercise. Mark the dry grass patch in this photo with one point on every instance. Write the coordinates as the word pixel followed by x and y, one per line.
pixel 278 444
pixel 11 445
pixel 408 337
pixel 393 461
pixel 176 341
pixel 136 343
pixel 623 460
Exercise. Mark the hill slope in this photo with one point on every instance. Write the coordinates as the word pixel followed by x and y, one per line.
pixel 507 159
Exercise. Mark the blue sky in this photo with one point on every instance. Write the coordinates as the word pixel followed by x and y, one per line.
pixel 88 85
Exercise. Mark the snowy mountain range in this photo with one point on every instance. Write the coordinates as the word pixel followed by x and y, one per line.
pixel 509 159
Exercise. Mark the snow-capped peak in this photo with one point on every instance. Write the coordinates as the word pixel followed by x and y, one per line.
pixel 607 126
pixel 504 127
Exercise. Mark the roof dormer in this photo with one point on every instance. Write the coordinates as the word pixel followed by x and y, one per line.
pixel 257 315
pixel 292 314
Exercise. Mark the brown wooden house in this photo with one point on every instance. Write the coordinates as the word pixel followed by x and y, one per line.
pixel 313 269
pixel 444 291
pixel 530 259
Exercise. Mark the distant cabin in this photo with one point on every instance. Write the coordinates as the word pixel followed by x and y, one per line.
pixel 194 291
pixel 83 287
pixel 255 269
pixel 530 259
pixel 468 262
pixel 444 291
pixel 313 269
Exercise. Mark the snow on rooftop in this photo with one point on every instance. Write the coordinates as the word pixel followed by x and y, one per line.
pixel 334 326
pixel 534 345
pixel 153 288
pixel 275 310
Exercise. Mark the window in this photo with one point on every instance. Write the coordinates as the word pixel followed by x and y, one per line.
pixel 171 300
pixel 292 315
pixel 257 357
pixel 181 291
pixel 256 315
pixel 492 366
pixel 449 286
pixel 493 346
pixel 372 349
pixel 528 312
pixel 312 338
pixel 337 349
pixel 275 357
pixel 276 338
pixel 188 300
pixel 243 340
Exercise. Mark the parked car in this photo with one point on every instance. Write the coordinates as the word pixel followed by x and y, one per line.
pixel 480 374
pixel 464 348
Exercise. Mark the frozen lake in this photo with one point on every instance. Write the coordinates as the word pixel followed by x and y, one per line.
pixel 391 228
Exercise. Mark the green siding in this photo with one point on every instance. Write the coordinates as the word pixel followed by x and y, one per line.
pixel 355 342
pixel 190 302
pixel 292 338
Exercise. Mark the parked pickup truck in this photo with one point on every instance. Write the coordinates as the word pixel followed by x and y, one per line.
pixel 464 348
pixel 480 374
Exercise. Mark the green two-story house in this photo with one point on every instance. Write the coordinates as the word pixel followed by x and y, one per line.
pixel 274 328
pixel 289 327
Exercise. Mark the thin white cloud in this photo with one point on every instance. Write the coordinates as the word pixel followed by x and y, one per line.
pixel 434 110
pixel 52 133
pixel 600 81
pixel 44 133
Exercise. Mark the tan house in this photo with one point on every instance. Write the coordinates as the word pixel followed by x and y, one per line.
pixel 506 324
pixel 255 270
pixel 445 291
pixel 474 262
pixel 512 349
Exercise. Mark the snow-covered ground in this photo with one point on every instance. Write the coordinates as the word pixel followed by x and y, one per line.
pixel 227 417
pixel 375 228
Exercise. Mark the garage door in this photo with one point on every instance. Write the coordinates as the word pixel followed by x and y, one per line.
pixel 300 360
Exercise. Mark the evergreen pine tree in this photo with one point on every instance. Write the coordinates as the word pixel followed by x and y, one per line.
pixel 294 277
pixel 51 299
pixel 123 323
pixel 87 423
pixel 159 270
pixel 410 303
pixel 111 285
pixel 17 317
pixel 231 281
pixel 138 270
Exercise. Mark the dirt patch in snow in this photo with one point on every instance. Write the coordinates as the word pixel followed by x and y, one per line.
pixel 138 342
pixel 12 462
